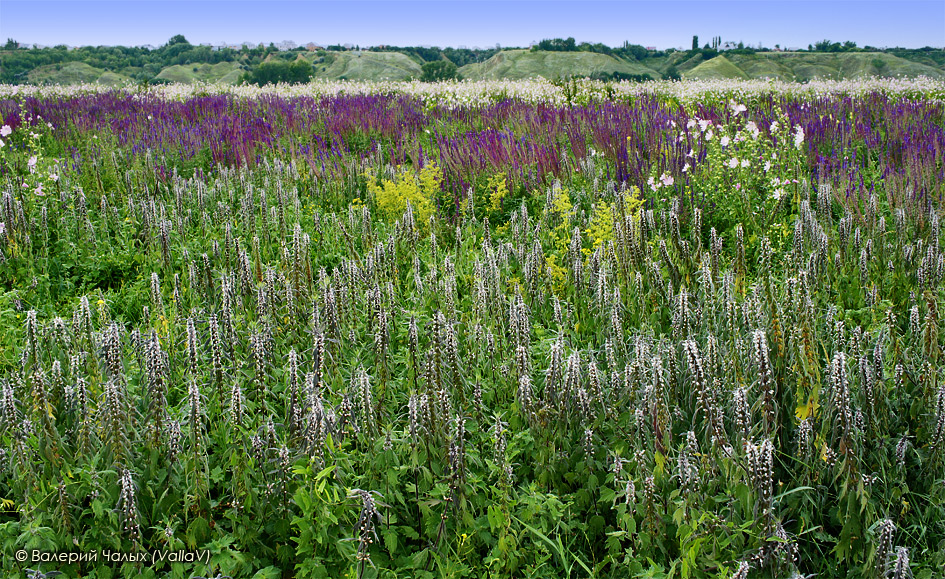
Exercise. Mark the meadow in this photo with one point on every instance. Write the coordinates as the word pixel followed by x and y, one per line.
pixel 490 329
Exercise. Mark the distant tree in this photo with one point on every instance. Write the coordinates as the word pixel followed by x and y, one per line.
pixel 438 70
pixel 557 45
pixel 695 42
pixel 672 73
pixel 177 39
pixel 296 72
pixel 632 50
pixel 11 44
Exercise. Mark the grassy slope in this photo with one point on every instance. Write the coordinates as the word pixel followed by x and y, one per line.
pixel 798 66
pixel 74 73
pixel 718 67
pixel 225 72
pixel 518 64
pixel 365 66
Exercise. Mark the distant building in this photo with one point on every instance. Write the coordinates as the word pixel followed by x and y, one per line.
pixel 651 48
pixel 312 46
pixel 728 45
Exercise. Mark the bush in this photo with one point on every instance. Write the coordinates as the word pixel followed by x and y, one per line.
pixel 439 70
pixel 297 72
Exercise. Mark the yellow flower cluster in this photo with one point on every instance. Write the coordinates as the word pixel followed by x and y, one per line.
pixel 498 190
pixel 391 196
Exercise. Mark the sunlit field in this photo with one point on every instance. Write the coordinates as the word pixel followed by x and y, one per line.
pixel 497 329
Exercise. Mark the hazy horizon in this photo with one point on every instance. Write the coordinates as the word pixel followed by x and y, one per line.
pixel 659 23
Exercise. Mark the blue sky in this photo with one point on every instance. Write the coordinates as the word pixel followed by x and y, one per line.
pixel 660 23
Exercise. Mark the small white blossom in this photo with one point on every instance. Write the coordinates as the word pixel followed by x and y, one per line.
pixel 798 136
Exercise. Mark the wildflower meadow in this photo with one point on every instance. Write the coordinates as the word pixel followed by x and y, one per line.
pixel 494 329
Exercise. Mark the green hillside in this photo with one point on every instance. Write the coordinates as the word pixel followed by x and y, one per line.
pixel 18 66
pixel 803 66
pixel 718 67
pixel 519 64
pixel 358 65
pixel 224 72
pixel 74 73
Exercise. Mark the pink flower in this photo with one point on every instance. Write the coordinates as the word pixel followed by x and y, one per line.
pixel 724 141
pixel 32 162
pixel 39 190
pixel 732 163
pixel 667 180
pixel 6 130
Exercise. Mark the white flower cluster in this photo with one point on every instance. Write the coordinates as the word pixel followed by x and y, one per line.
pixel 538 90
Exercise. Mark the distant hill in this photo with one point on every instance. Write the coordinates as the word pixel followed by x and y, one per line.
pixel 364 65
pixel 511 64
pixel 804 66
pixel 224 72
pixel 519 64
pixel 74 73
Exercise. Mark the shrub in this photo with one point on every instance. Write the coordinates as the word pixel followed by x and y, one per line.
pixel 439 70
pixel 297 72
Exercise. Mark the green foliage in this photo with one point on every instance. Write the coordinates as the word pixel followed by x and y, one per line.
pixel 557 45
pixel 296 72
pixel 439 70
pixel 571 381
